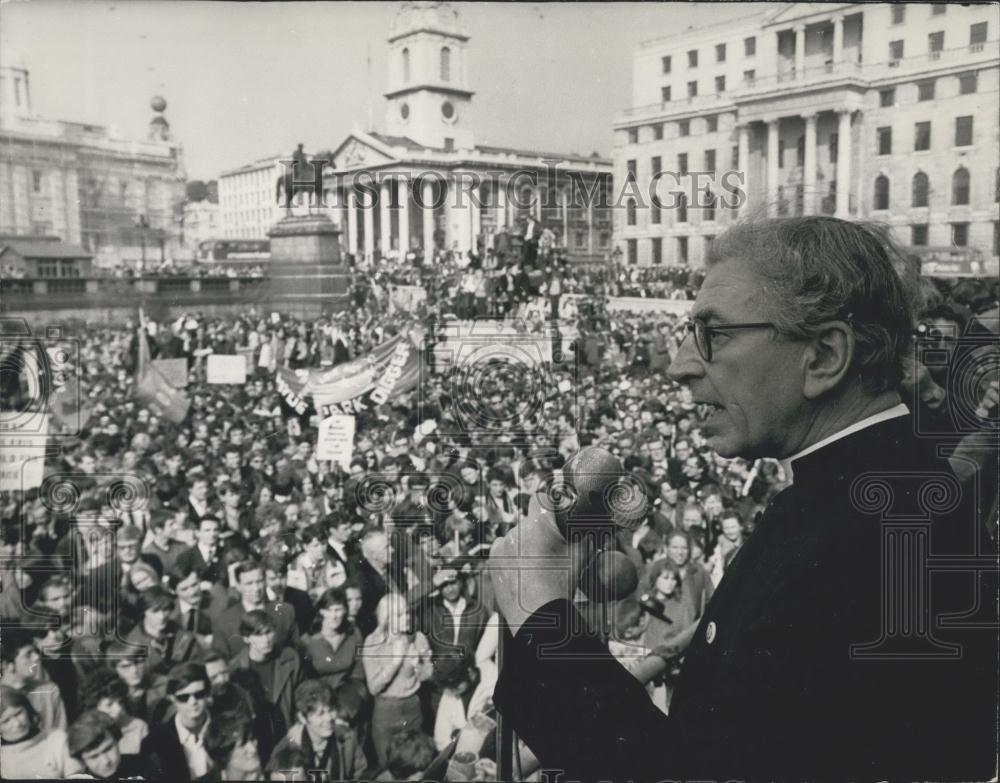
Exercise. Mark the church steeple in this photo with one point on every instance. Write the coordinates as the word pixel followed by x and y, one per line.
pixel 428 97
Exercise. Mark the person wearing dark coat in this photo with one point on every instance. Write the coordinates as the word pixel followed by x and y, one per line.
pixel 174 749
pixel 813 660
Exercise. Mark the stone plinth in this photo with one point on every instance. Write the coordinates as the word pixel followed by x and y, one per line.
pixel 307 275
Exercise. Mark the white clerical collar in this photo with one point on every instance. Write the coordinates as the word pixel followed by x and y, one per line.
pixel 877 418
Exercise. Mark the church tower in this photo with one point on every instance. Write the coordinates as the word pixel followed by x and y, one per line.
pixel 428 98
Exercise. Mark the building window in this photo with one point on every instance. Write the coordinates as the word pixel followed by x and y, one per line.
pixel 720 83
pixel 922 137
pixel 749 46
pixel 445 64
pixel 736 156
pixel 887 97
pixel 658 131
pixel 36 181
pixel 960 187
pixel 693 89
pixel 895 50
pixel 963 131
pixel 881 192
pixel 832 146
pixel 665 63
pixel 693 58
pixel 781 153
pixel 656 164
pixel 665 94
pixel 960 234
pixel 898 14
pixel 712 123
pixel 682 163
pixel 925 90
pixel 449 145
pixel 682 250
pixel 633 135
pixel 630 212
pixel 655 213
pixel 996 238
pixel 580 239
pixel 977 34
pixel 800 151
pixel 918 235
pixel 682 208
pixel 632 256
pixel 884 141
pixel 938 8
pixel 935 42
pixel 750 76
pixel 631 168
pixel 708 212
pixel 920 190
pixel 710 161
pixel 406 65
pixel 968 83
pixel 604 240
pixel 720 53
pixel 684 128
pixel 656 246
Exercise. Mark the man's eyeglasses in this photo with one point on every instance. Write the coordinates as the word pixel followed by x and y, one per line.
pixel 186 697
pixel 703 333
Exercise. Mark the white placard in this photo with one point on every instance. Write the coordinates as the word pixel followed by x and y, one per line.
pixel 22 456
pixel 335 441
pixel 227 368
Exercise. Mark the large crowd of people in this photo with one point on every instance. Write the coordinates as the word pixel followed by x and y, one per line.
pixel 209 599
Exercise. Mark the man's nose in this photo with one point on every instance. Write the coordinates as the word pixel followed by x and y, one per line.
pixel 687 364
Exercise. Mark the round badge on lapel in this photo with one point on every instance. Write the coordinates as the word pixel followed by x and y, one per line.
pixel 710 632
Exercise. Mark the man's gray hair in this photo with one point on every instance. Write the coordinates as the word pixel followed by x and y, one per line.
pixel 818 269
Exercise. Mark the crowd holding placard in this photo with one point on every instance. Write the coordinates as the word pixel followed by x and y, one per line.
pixel 252 611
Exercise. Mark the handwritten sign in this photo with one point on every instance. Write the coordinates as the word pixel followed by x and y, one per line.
pixel 226 368
pixel 335 441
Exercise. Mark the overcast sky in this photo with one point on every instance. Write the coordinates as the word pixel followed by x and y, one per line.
pixel 246 80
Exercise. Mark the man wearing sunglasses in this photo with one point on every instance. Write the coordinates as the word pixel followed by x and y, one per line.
pixel 175 750
pixel 812 660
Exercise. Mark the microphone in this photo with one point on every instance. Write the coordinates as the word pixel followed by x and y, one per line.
pixel 593 497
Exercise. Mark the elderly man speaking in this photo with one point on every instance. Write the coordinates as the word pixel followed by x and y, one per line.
pixel 826 652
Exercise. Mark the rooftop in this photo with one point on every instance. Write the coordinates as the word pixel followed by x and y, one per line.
pixel 42 247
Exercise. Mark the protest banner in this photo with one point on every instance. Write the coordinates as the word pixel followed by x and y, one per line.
pixel 353 387
pixel 153 390
pixel 335 441
pixel 174 371
pixel 226 368
pixel 22 457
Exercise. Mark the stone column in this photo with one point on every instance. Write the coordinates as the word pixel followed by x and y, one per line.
pixel 564 197
pixel 475 220
pixel 403 193
pixel 772 167
pixel 809 167
pixel 369 218
pixel 352 221
pixel 503 208
pixel 428 219
pixel 844 164
pixel 800 51
pixel 384 218
pixel 838 39
pixel 744 162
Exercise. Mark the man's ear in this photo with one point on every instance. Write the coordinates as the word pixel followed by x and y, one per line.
pixel 828 358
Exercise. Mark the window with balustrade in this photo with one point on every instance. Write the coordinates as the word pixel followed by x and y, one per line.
pixel 925 90
pixel 963 131
pixel 977 35
pixel 884 141
pixel 895 51
pixel 968 83
pixel 935 43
